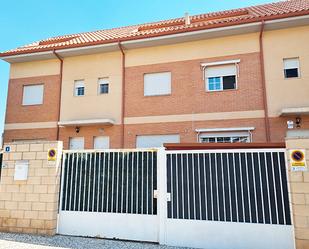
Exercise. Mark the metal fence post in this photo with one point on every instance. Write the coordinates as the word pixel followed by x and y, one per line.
pixel 162 194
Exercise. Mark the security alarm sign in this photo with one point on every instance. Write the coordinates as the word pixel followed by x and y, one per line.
pixel 298 160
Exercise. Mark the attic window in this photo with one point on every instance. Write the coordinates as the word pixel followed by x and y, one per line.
pixel 56 40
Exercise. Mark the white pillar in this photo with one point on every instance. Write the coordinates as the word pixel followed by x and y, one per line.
pixel 162 194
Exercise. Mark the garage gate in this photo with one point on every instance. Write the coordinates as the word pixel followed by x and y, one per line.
pixel 202 198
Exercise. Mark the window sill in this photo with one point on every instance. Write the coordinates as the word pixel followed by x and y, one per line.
pixel 159 95
pixel 292 78
pixel 216 91
pixel 31 105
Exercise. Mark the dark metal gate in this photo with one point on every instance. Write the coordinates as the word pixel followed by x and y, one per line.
pixel 239 187
pixel 114 182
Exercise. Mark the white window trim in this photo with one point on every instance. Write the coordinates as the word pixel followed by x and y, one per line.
pixel 232 131
pixel 220 63
pixel 155 95
pixel 102 81
pixel 105 137
pixel 225 134
pixel 32 85
pixel 155 136
pixel 298 69
pixel 221 85
pixel 75 88
pixel 73 138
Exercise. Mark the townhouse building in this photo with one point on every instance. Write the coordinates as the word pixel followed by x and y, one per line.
pixel 232 76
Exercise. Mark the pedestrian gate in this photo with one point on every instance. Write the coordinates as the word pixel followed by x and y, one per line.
pixel 109 194
pixel 206 199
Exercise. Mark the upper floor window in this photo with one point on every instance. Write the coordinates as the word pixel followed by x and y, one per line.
pixel 103 85
pixel 221 77
pixel 157 84
pixel 33 94
pixel 79 88
pixel 291 67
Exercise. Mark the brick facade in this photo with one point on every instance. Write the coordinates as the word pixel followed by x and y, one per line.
pixel 48 111
pixel 188 89
pixel 186 130
pixel 89 132
pixel 29 134
pixel 188 97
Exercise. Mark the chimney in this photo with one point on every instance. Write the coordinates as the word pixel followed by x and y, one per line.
pixel 187 19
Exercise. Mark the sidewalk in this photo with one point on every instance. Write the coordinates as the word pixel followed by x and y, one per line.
pixel 26 241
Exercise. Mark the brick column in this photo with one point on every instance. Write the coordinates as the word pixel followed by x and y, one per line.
pixel 299 193
pixel 30 206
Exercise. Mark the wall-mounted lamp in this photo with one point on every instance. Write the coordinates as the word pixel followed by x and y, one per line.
pixel 77 129
pixel 298 122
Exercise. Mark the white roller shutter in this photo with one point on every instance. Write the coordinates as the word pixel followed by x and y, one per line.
pixel 101 142
pixel 157 83
pixel 153 141
pixel 219 71
pixel 76 143
pixel 33 95
pixel 291 63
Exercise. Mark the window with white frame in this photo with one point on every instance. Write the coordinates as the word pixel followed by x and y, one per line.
pixel 157 84
pixel 221 77
pixel 103 85
pixel 225 137
pixel 291 67
pixel 76 143
pixel 33 95
pixel 101 142
pixel 79 88
pixel 153 141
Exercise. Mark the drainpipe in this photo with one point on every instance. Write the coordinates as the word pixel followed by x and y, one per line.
pixel 123 57
pixel 266 117
pixel 61 71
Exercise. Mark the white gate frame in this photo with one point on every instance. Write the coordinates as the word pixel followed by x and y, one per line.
pixel 202 233
pixel 218 235
pixel 102 224
pixel 162 194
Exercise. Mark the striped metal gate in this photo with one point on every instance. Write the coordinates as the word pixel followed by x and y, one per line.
pixel 109 194
pixel 228 199
pixel 216 199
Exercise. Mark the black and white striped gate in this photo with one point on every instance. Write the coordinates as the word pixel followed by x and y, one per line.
pixel 195 198
pixel 109 194
pixel 228 199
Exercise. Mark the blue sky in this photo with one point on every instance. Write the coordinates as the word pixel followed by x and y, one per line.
pixel 25 21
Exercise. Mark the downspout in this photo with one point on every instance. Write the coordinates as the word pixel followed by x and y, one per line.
pixel 265 105
pixel 60 88
pixel 123 57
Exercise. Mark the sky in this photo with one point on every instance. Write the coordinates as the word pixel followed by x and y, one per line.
pixel 26 21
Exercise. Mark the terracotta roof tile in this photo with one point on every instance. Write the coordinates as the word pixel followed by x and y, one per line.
pixel 173 26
